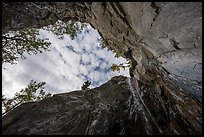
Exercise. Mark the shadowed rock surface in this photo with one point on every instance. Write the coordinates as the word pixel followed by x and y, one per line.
pixel 116 107
pixel 164 93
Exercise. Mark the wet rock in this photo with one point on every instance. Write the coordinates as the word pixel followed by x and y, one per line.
pixel 128 108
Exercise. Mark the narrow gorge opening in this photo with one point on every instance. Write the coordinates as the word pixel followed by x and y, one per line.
pixel 72 60
pixel 163 47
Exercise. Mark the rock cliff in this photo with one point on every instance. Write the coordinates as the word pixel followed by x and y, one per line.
pixel 121 106
pixel 164 93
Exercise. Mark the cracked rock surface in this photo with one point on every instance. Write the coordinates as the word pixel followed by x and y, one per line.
pixel 164 93
pixel 122 106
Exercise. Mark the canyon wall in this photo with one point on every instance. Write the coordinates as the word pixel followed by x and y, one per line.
pixel 164 94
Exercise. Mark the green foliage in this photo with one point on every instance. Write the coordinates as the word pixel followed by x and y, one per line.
pixel 117 54
pixel 116 67
pixel 6 103
pixel 101 43
pixel 60 28
pixel 86 85
pixel 33 92
pixel 16 43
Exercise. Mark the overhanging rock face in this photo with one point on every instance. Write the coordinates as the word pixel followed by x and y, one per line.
pixel 121 106
pixel 159 35
pixel 163 95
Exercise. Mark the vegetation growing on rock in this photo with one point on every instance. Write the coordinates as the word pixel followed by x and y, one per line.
pixel 33 92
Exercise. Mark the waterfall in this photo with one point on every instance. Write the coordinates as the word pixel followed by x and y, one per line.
pixel 140 107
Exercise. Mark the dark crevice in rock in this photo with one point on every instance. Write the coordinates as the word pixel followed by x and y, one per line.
pixel 185 50
pixel 153 5
pixel 165 36
pixel 196 65
pixel 134 63
pixel 166 71
pixel 89 120
pixel 120 8
pixel 162 91
pixel 157 11
pixel 104 7
pixel 174 43
pixel 120 12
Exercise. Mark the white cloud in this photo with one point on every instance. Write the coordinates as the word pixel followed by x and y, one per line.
pixel 85 59
pixel 83 69
pixel 94 61
pixel 65 67
pixel 103 65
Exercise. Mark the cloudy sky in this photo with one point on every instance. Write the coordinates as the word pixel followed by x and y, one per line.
pixel 66 67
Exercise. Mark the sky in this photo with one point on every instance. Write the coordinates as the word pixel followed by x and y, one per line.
pixel 66 67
